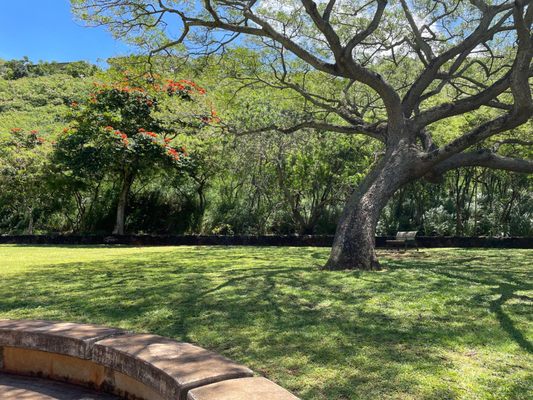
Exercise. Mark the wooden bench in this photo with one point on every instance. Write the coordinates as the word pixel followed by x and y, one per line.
pixel 404 239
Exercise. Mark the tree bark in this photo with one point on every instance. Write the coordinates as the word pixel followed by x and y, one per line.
pixel 127 180
pixel 354 243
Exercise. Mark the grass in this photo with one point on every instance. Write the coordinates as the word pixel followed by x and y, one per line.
pixel 436 324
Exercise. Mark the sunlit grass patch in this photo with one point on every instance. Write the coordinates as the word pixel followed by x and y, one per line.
pixel 436 324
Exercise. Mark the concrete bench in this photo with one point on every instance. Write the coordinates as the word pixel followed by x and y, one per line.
pixel 404 239
pixel 132 366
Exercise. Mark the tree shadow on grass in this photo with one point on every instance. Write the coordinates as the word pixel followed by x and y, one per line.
pixel 508 292
pixel 503 286
pixel 324 335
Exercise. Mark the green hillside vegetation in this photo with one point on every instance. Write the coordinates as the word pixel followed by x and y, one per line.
pixel 257 183
pixel 40 103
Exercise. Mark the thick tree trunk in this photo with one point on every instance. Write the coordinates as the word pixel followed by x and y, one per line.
pixel 127 180
pixel 354 243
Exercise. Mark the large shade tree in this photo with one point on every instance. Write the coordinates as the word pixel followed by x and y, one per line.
pixel 405 66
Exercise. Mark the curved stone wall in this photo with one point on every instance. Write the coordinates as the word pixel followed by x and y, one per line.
pixel 133 366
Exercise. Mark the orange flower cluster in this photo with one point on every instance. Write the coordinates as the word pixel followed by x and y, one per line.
pixel 173 153
pixel 145 132
pixel 193 85
pixel 34 134
pixel 69 129
pixel 213 119
pixel 128 89
pixel 122 136
pixel 183 85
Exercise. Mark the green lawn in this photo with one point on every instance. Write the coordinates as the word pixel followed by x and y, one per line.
pixel 436 324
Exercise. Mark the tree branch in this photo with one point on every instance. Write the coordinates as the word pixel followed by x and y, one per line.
pixel 471 103
pixel 483 31
pixel 358 38
pixel 519 84
pixel 324 26
pixel 484 158
pixel 367 130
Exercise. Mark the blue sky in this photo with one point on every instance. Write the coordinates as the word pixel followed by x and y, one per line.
pixel 46 30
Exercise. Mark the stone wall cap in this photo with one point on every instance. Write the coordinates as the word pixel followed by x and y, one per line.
pixel 241 389
pixel 169 366
pixel 56 337
pixel 175 370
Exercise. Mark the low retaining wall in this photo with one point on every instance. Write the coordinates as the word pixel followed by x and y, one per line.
pixel 132 366
pixel 304 240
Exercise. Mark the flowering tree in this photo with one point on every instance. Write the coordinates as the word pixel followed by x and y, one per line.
pixel 126 131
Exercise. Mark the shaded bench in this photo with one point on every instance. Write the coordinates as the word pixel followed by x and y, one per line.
pixel 132 366
pixel 403 239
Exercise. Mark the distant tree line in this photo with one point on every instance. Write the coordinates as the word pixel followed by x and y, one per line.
pixel 24 68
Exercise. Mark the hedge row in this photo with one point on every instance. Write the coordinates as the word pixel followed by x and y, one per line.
pixel 309 240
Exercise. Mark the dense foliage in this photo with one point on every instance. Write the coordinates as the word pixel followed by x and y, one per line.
pixel 117 133
pixel 68 145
